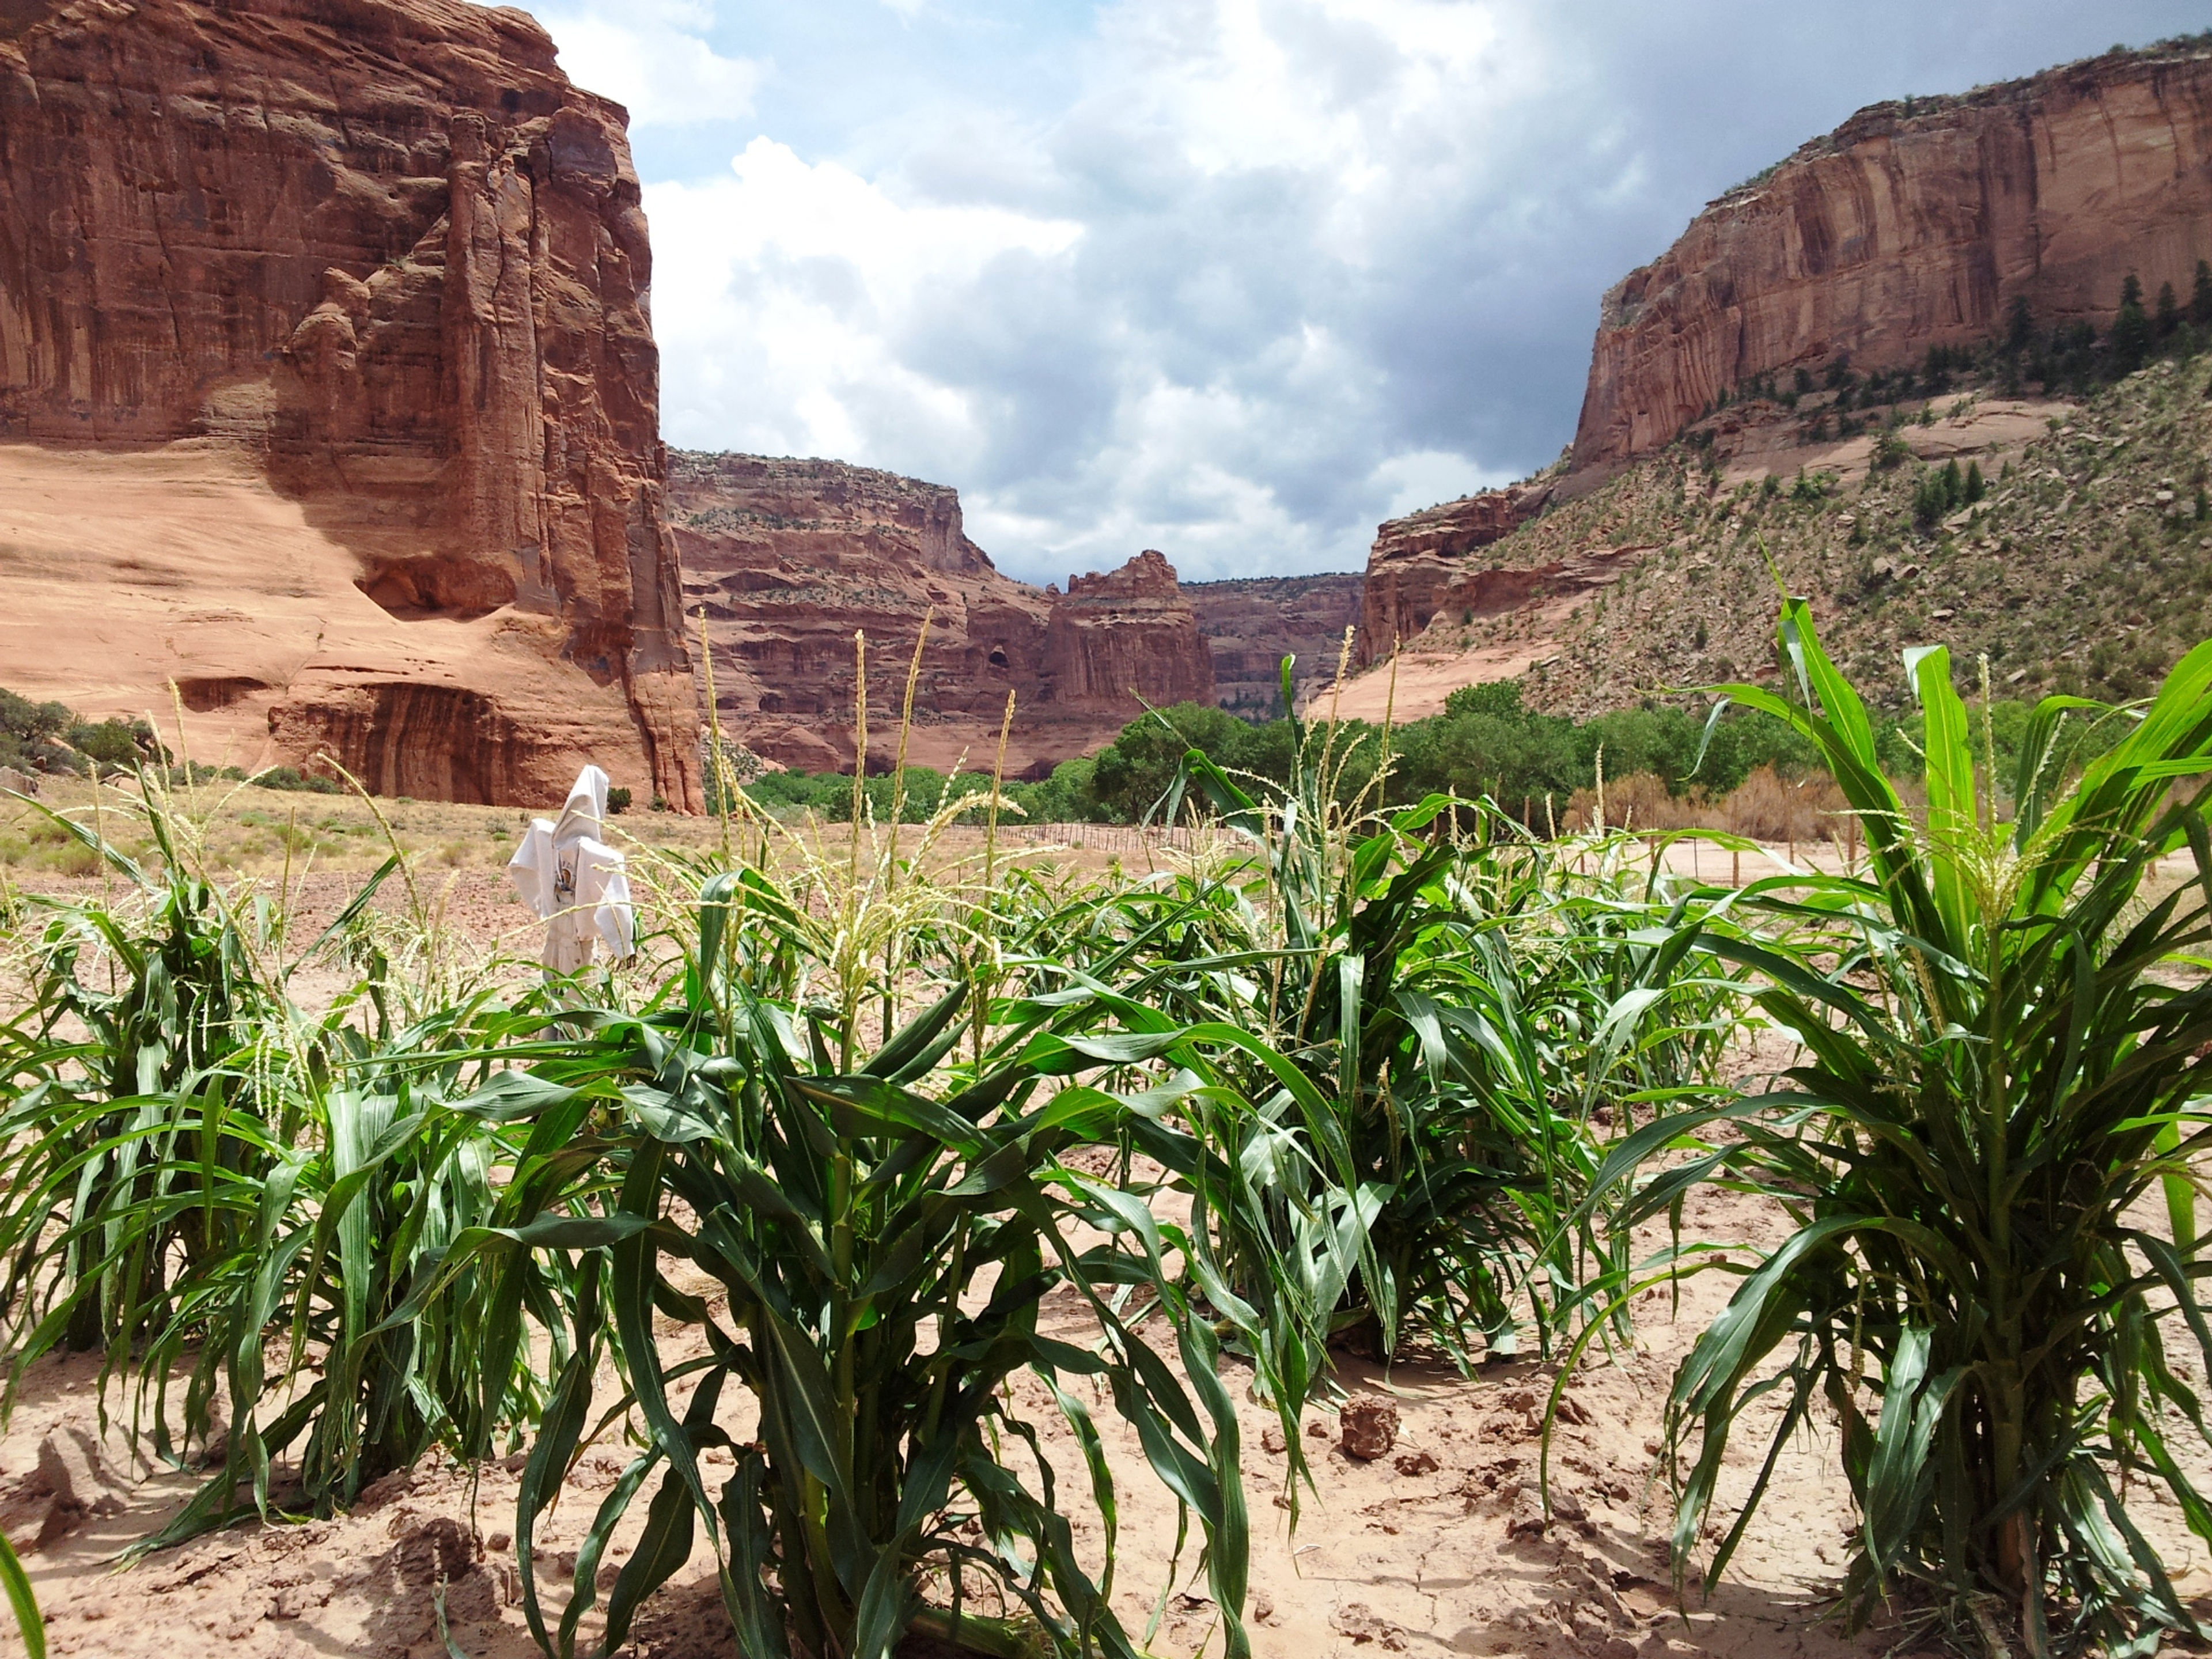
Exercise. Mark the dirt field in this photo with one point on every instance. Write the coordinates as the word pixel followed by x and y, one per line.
pixel 1439 1545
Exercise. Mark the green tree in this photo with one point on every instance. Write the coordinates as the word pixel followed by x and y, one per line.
pixel 111 744
pixel 2166 320
pixel 1063 798
pixel 2200 297
pixel 1499 698
pixel 30 735
pixel 1133 773
pixel 2131 337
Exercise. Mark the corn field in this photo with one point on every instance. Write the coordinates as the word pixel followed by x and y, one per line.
pixel 1316 1077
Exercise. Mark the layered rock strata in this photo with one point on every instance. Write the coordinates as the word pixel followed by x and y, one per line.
pixel 384 250
pixel 1417 560
pixel 786 560
pixel 1252 623
pixel 1117 635
pixel 1915 224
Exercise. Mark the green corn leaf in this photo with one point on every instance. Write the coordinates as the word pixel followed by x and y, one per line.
pixel 29 1623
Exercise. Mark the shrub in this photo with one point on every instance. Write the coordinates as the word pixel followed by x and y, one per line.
pixel 618 798
pixel 1944 490
pixel 292 779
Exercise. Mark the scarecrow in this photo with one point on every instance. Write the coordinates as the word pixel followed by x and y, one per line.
pixel 574 881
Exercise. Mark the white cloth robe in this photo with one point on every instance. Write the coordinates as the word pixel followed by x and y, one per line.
pixel 574 881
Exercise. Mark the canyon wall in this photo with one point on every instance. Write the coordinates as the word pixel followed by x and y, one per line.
pixel 384 253
pixel 787 559
pixel 1252 623
pixel 1915 224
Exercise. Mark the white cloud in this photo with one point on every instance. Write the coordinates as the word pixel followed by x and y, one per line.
pixel 1168 356
pixel 1422 477
pixel 782 289
pixel 652 57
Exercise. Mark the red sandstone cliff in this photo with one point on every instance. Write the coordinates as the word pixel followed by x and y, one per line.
pixel 1417 559
pixel 788 558
pixel 1251 623
pixel 384 249
pixel 1911 226
pixel 1117 635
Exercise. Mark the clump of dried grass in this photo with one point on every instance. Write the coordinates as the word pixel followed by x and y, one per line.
pixel 1764 807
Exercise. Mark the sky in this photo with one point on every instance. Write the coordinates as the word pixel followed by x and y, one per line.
pixel 1235 279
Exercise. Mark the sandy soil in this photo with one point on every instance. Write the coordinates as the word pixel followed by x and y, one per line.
pixel 1440 1545
pixel 1425 678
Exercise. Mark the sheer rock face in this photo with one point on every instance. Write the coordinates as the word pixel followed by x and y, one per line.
pixel 1117 634
pixel 1915 225
pixel 788 559
pixel 1251 623
pixel 1419 562
pixel 384 247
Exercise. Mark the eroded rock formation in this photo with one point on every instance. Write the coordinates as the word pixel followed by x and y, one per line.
pixel 1116 635
pixel 1912 225
pixel 788 559
pixel 1417 560
pixel 385 249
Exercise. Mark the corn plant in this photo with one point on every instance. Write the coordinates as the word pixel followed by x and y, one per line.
pixel 2004 1029
pixel 199 1165
pixel 883 1223
pixel 130 1004
pixel 1467 1011
pixel 22 1602
pixel 383 1348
